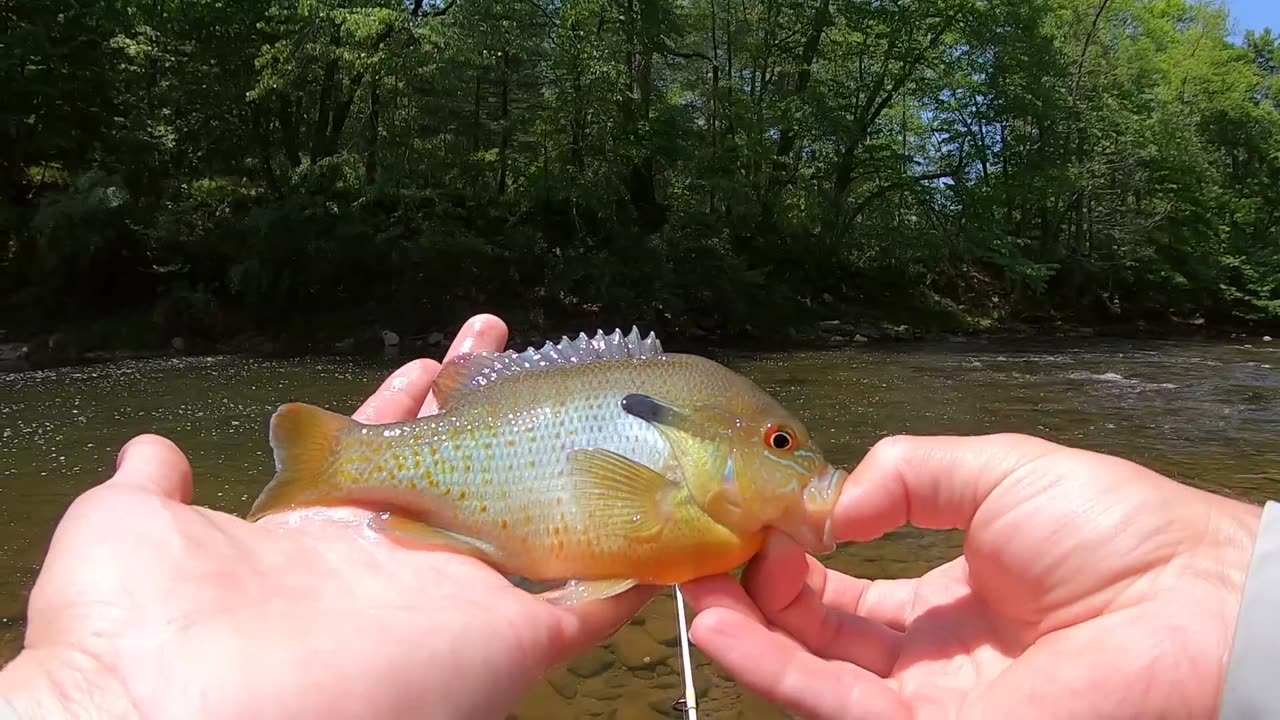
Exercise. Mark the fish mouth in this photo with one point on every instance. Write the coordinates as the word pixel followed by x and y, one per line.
pixel 819 507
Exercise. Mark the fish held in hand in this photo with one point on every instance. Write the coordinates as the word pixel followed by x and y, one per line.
pixel 600 462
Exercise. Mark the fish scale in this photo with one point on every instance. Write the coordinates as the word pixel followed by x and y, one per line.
pixel 521 483
pixel 597 460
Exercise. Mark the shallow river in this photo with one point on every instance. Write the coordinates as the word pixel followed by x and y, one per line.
pixel 1207 414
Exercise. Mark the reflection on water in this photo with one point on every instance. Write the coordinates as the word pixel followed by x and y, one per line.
pixel 1206 414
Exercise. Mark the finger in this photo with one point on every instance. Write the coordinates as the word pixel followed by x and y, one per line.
pixel 589 624
pixel 929 482
pixel 890 602
pixel 790 588
pixel 482 333
pixel 400 395
pixel 720 591
pixel 154 465
pixel 782 672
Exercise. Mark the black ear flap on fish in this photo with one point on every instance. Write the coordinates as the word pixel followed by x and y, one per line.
pixel 665 416
pixel 654 411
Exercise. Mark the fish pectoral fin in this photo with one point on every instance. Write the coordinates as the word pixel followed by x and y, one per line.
pixel 403 528
pixel 622 495
pixel 580 591
pixel 723 507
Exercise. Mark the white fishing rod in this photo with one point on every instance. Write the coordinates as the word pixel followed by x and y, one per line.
pixel 689 703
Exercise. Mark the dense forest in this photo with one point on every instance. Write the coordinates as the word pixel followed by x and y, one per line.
pixel 213 168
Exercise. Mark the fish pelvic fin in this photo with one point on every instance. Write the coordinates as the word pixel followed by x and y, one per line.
pixel 576 592
pixel 307 443
pixel 622 495
pixel 469 372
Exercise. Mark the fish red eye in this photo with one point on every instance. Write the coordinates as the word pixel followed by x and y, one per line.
pixel 779 438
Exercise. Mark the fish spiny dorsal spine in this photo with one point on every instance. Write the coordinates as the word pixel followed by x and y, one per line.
pixel 473 371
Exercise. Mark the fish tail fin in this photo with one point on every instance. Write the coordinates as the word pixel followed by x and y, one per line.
pixel 307 443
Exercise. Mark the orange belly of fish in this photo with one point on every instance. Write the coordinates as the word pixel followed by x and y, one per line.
pixel 649 567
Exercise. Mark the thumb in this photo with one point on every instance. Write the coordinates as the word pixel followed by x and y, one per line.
pixel 154 465
pixel 586 625
pixel 929 482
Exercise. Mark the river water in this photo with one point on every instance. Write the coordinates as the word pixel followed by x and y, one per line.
pixel 1206 414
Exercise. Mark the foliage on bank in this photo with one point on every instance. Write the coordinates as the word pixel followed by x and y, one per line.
pixel 212 168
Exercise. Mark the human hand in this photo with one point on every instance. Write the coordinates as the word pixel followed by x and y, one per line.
pixel 1089 587
pixel 147 606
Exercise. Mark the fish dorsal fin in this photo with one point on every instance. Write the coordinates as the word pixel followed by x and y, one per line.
pixel 469 372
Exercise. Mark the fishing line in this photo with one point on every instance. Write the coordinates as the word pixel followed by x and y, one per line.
pixel 689 703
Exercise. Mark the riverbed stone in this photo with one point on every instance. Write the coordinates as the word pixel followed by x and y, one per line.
pixel 663 630
pixel 543 701
pixel 594 663
pixel 662 705
pixel 637 651
pixel 666 682
pixel 638 712
pixel 14 357
pixel 603 693
pixel 564 683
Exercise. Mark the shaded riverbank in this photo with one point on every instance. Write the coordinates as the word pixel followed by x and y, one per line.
pixel 82 346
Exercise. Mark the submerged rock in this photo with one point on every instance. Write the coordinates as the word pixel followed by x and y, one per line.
pixel 664 631
pixel 639 712
pixel 14 357
pixel 594 663
pixel 637 651
pixel 565 684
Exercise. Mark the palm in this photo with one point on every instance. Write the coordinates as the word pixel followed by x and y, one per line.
pixel 959 658
pixel 1078 575
pixel 215 590
pixel 195 613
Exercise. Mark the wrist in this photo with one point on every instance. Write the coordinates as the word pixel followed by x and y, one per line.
pixel 51 684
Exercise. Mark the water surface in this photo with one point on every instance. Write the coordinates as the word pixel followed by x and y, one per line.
pixel 1206 414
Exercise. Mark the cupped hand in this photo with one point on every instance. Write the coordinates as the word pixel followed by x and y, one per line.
pixel 147 606
pixel 1089 587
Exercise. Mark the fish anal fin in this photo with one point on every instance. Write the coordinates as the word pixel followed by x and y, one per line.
pixel 471 372
pixel 307 443
pixel 405 529
pixel 575 592
pixel 623 496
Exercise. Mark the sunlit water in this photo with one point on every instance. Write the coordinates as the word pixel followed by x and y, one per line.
pixel 1206 414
